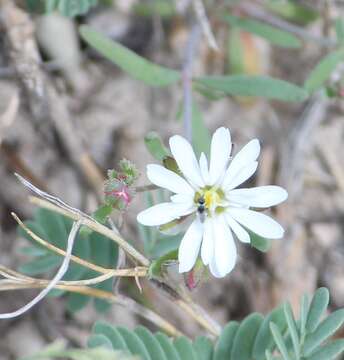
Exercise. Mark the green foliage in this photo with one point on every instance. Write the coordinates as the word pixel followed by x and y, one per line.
pixel 339 25
pixel 308 335
pixel 200 134
pixel 323 70
pixel 58 350
pixel 260 243
pixel 293 11
pixel 157 346
pixel 317 308
pixel 156 267
pixel 133 64
pixel 69 8
pixel 155 146
pixel 54 228
pixel 163 8
pixel 255 338
pixel 270 33
pixel 235 52
pixel 259 86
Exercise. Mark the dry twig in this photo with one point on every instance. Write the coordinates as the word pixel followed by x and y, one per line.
pixel 49 285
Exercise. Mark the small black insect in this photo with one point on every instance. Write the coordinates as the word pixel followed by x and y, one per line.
pixel 201 208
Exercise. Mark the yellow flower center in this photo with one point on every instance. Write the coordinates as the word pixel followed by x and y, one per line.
pixel 211 198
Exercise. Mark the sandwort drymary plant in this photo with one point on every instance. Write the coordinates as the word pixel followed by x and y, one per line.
pixel 208 194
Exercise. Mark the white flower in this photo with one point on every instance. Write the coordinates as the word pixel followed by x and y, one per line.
pixel 208 194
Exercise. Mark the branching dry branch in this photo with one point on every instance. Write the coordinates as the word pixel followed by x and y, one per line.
pixel 49 285
pixel 136 272
pixel 55 204
pixel 121 300
pixel 186 305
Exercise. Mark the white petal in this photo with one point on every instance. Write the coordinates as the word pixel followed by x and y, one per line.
pixel 242 175
pixel 213 269
pixel 183 198
pixel 189 246
pixel 225 252
pixel 248 154
pixel 261 197
pixel 186 160
pixel 163 213
pixel 168 179
pixel 220 152
pixel 257 222
pixel 238 230
pixel 207 250
pixel 203 164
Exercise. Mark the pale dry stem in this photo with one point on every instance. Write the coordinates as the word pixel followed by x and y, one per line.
pixel 186 305
pixel 138 309
pixel 135 272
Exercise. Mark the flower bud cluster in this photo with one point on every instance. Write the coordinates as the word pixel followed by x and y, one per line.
pixel 118 188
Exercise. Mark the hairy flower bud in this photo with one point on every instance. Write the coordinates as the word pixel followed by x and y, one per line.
pixel 118 188
pixel 118 194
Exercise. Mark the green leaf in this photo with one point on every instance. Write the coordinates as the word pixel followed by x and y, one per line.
pixel 292 329
pixel 263 340
pixel 104 251
pixel 99 340
pixel 260 243
pixel 304 313
pixel 76 302
pixel 58 350
pixel 50 5
pixel 36 6
pixel 128 61
pixel 164 245
pixel 339 24
pixel 155 146
pixel 155 268
pixel 259 86
pixel 293 11
pixel 100 304
pixel 33 251
pixel 102 213
pixel 245 336
pixel 272 34
pixel 210 94
pixel 82 354
pixel 235 52
pixel 224 345
pixel 323 70
pixel 111 333
pixel 152 344
pixel 54 227
pixel 200 134
pixel 166 344
pixel 317 308
pixel 327 328
pixel 185 349
pixel 134 343
pixel 279 341
pixel 37 229
pixel 163 8
pixel 41 265
pixel 329 351
pixel 203 348
pixel 73 8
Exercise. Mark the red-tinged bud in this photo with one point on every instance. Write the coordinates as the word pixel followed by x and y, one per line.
pixel 117 189
pixel 118 194
pixel 194 277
